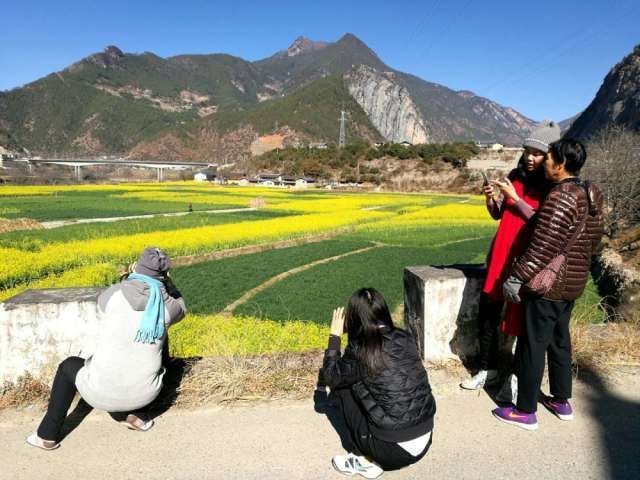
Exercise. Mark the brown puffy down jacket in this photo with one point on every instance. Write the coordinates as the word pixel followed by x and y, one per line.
pixel 561 213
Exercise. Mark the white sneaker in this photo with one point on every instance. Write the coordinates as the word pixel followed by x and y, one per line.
pixel 351 465
pixel 509 391
pixel 480 379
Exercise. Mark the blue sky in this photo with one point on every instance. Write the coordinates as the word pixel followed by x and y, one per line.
pixel 543 58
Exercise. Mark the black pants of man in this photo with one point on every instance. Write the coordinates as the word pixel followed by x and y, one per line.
pixel 545 329
pixel 62 393
pixel 489 316
pixel 389 455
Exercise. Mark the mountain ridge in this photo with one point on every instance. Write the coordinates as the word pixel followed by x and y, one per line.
pixel 617 101
pixel 112 101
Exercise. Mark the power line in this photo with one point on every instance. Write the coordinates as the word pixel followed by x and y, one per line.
pixel 552 55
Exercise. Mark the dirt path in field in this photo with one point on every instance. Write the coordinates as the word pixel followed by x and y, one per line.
pixel 64 223
pixel 228 310
pixel 461 240
pixel 234 252
pixel 293 440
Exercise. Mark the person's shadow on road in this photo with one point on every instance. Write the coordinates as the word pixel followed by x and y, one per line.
pixel 619 423
pixel 325 405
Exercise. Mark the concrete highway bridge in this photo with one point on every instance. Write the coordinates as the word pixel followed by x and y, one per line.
pixel 77 164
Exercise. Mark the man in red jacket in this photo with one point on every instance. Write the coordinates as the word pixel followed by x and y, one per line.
pixel 572 206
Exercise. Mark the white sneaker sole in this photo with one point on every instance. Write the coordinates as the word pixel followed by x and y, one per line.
pixel 565 418
pixel 471 387
pixel 524 426
pixel 34 442
pixel 349 473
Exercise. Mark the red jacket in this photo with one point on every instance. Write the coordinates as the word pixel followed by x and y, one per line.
pixel 511 239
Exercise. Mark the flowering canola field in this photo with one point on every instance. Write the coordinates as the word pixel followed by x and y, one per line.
pixel 402 227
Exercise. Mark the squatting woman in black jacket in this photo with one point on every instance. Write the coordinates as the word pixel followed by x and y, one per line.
pixel 381 387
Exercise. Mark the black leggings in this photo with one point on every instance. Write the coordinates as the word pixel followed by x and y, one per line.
pixel 62 392
pixel 489 316
pixel 389 455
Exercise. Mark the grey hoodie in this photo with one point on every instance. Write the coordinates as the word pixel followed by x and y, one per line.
pixel 123 375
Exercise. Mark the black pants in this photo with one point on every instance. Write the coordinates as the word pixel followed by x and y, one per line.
pixel 389 455
pixel 489 316
pixel 62 393
pixel 545 330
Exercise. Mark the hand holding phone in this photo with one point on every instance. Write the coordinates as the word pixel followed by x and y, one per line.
pixel 487 188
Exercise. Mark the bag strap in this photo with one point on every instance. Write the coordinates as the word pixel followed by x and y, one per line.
pixel 582 223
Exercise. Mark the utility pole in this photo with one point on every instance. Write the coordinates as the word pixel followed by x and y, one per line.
pixel 342 138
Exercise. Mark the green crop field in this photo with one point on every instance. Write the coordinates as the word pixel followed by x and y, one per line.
pixel 292 290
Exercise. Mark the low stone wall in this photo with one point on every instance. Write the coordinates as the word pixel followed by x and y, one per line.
pixel 40 328
pixel 441 308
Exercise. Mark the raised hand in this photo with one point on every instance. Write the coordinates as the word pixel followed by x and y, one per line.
pixel 507 189
pixel 337 322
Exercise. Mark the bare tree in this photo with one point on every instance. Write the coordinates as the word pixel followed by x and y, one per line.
pixel 614 164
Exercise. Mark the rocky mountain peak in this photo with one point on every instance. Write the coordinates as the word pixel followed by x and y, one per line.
pixel 617 101
pixel 304 45
pixel 113 52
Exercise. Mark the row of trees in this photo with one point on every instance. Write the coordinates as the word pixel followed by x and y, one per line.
pixel 614 164
pixel 319 161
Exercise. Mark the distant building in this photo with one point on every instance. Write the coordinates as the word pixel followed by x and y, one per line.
pixel 319 146
pixel 236 178
pixel 497 147
pixel 204 177
pixel 406 144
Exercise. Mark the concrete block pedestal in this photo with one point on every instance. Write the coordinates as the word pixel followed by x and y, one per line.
pixel 40 328
pixel 441 309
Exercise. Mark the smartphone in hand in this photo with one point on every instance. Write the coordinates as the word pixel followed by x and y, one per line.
pixel 484 178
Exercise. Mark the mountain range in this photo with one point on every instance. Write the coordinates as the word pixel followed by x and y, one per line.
pixel 209 106
pixel 217 106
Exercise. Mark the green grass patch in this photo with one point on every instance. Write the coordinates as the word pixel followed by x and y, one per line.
pixel 424 236
pixel 33 240
pixel 313 294
pixel 210 286
pixel 67 205
pixel 588 308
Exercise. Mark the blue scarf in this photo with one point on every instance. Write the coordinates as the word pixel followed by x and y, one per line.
pixel 152 324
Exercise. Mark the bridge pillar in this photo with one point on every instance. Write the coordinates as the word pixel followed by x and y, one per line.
pixel 160 174
pixel 77 171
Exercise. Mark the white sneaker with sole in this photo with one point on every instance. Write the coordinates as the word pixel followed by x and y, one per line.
pixel 480 379
pixel 35 441
pixel 351 465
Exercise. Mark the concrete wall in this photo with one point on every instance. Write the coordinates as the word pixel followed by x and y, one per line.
pixel 441 308
pixel 40 328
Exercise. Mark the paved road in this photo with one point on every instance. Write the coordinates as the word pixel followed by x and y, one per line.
pixel 291 441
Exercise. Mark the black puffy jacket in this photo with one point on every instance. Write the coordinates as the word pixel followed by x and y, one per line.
pixel 397 402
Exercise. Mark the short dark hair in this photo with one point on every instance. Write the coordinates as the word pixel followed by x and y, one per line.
pixel 569 152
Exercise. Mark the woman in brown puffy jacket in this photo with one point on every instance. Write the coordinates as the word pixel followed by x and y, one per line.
pixel 570 223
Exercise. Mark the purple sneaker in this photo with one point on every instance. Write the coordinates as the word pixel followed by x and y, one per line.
pixel 513 416
pixel 561 409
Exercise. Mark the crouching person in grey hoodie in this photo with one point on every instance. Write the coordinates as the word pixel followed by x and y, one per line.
pixel 124 373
